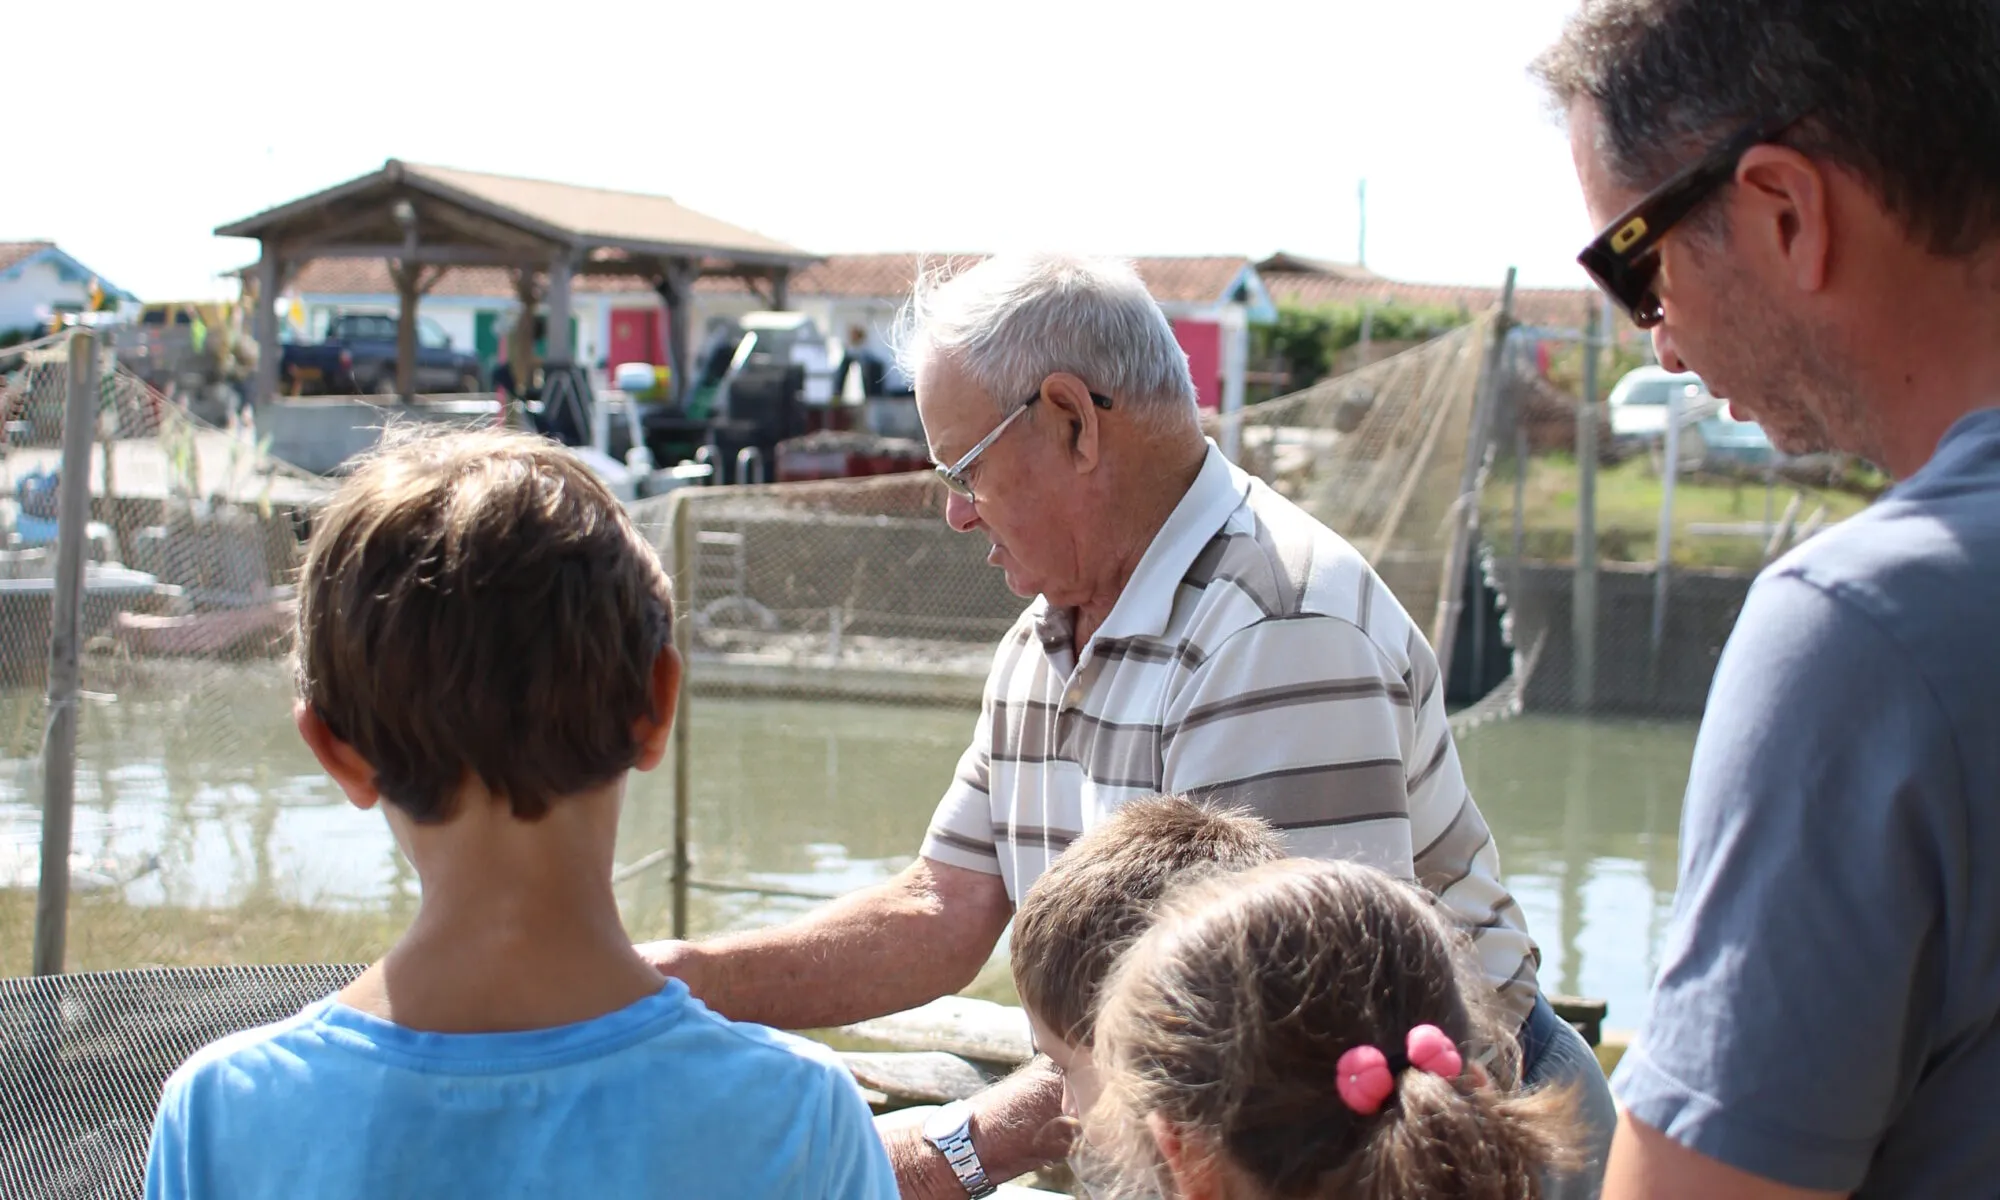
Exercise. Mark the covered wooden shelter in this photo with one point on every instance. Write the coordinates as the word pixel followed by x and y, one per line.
pixel 425 220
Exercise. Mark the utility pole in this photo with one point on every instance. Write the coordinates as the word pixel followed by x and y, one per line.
pixel 1361 249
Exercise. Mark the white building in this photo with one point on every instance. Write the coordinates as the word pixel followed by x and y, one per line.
pixel 622 319
pixel 38 281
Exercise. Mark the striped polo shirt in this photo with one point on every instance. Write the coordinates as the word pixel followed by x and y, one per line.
pixel 1256 660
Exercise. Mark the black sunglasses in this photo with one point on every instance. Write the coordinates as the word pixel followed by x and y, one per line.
pixel 1624 259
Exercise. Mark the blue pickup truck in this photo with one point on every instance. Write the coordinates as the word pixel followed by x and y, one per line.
pixel 358 357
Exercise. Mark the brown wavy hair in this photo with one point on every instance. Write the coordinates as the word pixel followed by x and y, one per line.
pixel 1099 895
pixel 479 604
pixel 1227 1018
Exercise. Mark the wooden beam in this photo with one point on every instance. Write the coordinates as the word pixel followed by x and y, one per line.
pixel 343 227
pixel 446 255
pixel 483 229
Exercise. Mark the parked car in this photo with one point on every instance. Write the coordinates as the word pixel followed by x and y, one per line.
pixel 358 356
pixel 1639 403
pixel 1728 442
pixel 1710 439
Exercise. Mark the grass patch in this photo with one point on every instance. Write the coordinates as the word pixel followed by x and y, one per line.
pixel 1628 513
pixel 107 934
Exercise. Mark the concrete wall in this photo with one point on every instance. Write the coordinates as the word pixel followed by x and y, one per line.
pixel 1702 607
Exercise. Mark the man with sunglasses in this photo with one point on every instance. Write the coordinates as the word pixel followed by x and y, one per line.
pixel 1189 631
pixel 1801 199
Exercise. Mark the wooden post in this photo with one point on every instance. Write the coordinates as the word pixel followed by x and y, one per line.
pixel 521 340
pixel 407 299
pixel 781 289
pixel 682 524
pixel 557 342
pixel 1583 593
pixel 676 288
pixel 65 622
pixel 405 274
pixel 264 325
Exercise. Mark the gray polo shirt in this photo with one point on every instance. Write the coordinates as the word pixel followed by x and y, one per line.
pixel 1828 1009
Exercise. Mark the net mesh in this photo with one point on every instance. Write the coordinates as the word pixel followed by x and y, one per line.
pixel 1640 636
pixel 1378 455
pixel 83 1058
pixel 859 589
pixel 191 548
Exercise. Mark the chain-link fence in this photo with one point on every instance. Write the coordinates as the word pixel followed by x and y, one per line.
pixel 857 590
pixel 1675 552
pixel 189 551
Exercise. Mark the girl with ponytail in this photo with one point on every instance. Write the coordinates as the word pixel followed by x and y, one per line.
pixel 1308 1030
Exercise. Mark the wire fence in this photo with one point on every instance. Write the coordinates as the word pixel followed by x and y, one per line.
pixel 189 550
pixel 1452 467
pixel 1569 484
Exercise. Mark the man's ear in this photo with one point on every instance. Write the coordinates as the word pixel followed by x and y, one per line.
pixel 1782 214
pixel 350 772
pixel 651 733
pixel 1069 402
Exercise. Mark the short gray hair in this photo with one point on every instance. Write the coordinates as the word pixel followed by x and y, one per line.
pixel 1013 320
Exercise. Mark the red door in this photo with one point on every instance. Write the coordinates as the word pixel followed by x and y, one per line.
pixel 1202 340
pixel 637 335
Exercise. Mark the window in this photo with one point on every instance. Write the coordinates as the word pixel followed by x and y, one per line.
pixel 431 335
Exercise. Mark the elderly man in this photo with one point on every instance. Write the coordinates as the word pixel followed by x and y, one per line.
pixel 1191 631
pixel 1801 198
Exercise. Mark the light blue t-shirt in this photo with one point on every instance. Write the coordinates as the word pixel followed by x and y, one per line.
pixel 1828 1008
pixel 660 1099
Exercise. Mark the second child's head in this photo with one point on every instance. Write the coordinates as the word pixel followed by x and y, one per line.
pixel 1097 897
pixel 479 622
pixel 1311 1029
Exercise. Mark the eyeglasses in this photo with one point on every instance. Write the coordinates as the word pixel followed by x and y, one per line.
pixel 1624 259
pixel 954 475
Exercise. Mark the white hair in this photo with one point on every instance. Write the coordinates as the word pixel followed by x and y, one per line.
pixel 1013 320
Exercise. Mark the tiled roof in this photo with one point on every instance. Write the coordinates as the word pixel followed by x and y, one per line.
pixel 1556 307
pixel 587 216
pixel 370 277
pixel 889 276
pixel 597 212
pixel 14 252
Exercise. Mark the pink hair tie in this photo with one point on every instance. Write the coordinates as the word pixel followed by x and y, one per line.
pixel 1365 1080
pixel 1431 1049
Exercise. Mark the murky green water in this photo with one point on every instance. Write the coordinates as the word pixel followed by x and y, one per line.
pixel 799 795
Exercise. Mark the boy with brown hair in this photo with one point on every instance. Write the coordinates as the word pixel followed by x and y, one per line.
pixel 1097 898
pixel 484 642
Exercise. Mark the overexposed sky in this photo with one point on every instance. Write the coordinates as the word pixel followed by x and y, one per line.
pixel 1231 127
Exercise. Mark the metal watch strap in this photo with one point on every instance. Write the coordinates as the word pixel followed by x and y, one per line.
pixel 956 1146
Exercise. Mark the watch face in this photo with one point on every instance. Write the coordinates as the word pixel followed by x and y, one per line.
pixel 946 1122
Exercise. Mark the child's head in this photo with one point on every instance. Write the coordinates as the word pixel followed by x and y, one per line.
pixel 1098 896
pixel 1222 1033
pixel 476 607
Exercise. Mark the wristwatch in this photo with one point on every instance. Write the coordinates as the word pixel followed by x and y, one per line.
pixel 950 1130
